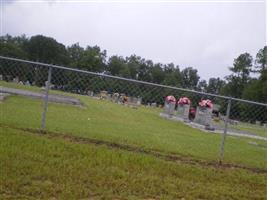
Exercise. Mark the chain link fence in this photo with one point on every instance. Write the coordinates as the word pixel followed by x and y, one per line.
pixel 231 116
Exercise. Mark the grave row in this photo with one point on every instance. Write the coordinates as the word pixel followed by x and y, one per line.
pixel 202 115
pixel 121 99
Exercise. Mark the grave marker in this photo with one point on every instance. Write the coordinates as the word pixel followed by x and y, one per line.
pixel 115 97
pixel 169 105
pixel 183 109
pixel 204 114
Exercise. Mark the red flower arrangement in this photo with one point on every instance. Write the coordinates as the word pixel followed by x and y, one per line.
pixel 206 103
pixel 184 101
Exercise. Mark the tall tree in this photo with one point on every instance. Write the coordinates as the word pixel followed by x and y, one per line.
pixel 75 53
pixel 93 59
pixel 242 67
pixel 13 46
pixel 46 49
pixel 202 86
pixel 215 85
pixel 190 78
pixel 144 72
pixel 261 60
pixel 240 76
pixel 172 75
pixel 116 65
pixel 133 63
pixel 157 73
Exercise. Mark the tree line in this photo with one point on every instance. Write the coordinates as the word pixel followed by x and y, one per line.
pixel 247 77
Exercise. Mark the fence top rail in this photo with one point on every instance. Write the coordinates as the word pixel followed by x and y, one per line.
pixel 131 80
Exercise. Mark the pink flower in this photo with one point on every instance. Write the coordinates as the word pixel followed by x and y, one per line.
pixel 184 100
pixel 206 103
pixel 170 98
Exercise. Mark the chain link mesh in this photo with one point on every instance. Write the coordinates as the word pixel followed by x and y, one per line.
pixel 246 118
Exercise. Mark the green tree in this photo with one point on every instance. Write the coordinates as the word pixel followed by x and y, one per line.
pixel 75 53
pixel 261 60
pixel 133 64
pixel 13 46
pixel 116 65
pixel 215 85
pixel 202 86
pixel 240 76
pixel 93 59
pixel 189 78
pixel 47 50
pixel 157 73
pixel 172 75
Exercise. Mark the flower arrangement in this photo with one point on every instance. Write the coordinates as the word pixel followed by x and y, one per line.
pixel 170 99
pixel 184 101
pixel 206 103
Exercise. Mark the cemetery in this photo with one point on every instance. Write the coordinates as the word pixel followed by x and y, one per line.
pixel 180 110
pixel 205 117
pixel 56 98
pixel 134 136
pixel 120 98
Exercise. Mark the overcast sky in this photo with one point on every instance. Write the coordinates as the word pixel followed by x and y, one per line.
pixel 204 35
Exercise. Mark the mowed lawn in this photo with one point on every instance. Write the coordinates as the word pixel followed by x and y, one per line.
pixel 35 166
pixel 142 128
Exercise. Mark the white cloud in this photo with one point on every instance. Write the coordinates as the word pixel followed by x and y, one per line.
pixel 202 35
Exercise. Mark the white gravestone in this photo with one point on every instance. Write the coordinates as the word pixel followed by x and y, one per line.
pixel 203 116
pixel 103 94
pixel 133 102
pixel 169 107
pixel 154 105
pixel 139 101
pixel 115 97
pixel 90 93
pixel 183 112
pixel 16 80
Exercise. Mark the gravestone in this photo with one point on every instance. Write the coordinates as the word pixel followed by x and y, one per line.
pixel 139 101
pixel 154 105
pixel 103 94
pixel 133 102
pixel 169 107
pixel 183 112
pixel 90 93
pixel 1 77
pixel 16 80
pixel 109 97
pixel 115 97
pixel 203 116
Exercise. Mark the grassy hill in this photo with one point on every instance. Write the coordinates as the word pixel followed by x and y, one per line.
pixel 110 151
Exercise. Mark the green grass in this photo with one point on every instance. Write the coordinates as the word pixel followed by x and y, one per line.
pixel 34 166
pixel 19 86
pixel 143 128
pixel 250 128
pixel 255 129
pixel 40 167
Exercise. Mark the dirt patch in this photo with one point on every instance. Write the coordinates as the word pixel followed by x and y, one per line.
pixel 161 155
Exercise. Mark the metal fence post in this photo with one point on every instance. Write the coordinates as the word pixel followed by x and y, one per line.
pixel 225 130
pixel 43 122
